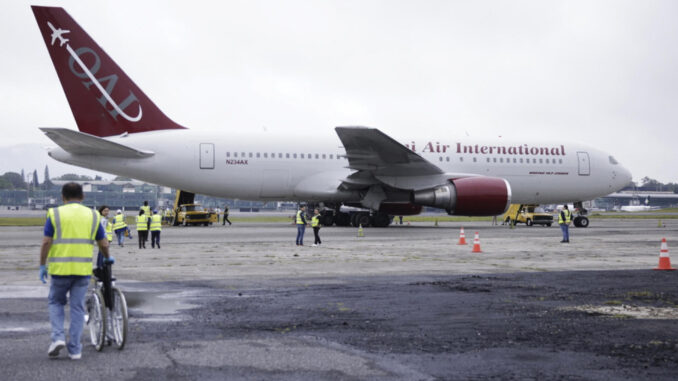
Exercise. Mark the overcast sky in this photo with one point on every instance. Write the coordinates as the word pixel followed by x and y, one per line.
pixel 604 73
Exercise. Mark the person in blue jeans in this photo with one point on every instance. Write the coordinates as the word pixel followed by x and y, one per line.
pixel 301 225
pixel 66 254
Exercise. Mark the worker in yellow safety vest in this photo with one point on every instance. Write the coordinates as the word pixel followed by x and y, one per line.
pixel 119 227
pixel 315 224
pixel 168 216
pixel 156 227
pixel 108 227
pixel 564 219
pixel 301 225
pixel 146 209
pixel 142 228
pixel 66 254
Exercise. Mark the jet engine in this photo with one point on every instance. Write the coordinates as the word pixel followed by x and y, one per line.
pixel 468 196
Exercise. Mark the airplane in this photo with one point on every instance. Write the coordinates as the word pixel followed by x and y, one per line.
pixel 121 131
pixel 58 33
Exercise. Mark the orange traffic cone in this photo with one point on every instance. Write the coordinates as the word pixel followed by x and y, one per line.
pixel 462 237
pixel 476 244
pixel 664 260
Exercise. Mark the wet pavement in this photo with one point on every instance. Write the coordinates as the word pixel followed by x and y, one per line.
pixel 400 304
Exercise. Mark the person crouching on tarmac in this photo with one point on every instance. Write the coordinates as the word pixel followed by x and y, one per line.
pixel 120 227
pixel 156 227
pixel 315 224
pixel 142 229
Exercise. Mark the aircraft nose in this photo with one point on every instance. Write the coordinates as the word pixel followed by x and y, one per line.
pixel 624 177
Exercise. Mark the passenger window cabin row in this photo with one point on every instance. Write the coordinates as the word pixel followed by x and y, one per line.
pixel 322 156
pixel 509 160
pixel 279 155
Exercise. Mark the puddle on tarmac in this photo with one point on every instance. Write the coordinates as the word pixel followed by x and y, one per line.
pixel 17 326
pixel 144 305
pixel 637 312
pixel 21 292
pixel 159 306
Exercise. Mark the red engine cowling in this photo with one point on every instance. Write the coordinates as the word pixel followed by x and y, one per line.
pixel 469 196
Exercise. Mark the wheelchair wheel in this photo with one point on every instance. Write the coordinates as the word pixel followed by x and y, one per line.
pixel 118 318
pixel 97 319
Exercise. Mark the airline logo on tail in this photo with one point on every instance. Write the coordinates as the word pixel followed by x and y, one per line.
pixel 87 74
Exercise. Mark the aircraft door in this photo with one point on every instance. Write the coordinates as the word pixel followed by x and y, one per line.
pixel 206 156
pixel 584 164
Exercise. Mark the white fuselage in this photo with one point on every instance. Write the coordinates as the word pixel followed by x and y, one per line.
pixel 262 166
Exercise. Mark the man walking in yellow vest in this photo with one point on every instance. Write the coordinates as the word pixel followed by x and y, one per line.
pixel 156 227
pixel 564 218
pixel 120 227
pixel 146 209
pixel 66 254
pixel 142 228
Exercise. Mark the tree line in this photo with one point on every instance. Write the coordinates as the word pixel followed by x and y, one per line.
pixel 19 181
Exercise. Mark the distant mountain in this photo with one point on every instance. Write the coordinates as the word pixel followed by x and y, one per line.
pixel 30 157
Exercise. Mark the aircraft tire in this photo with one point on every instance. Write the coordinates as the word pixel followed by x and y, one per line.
pixel 354 218
pixel 581 222
pixel 381 220
pixel 362 219
pixel 327 220
pixel 342 219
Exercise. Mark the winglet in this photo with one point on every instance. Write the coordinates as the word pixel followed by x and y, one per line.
pixel 103 99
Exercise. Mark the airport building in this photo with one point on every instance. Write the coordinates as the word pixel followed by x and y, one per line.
pixel 119 194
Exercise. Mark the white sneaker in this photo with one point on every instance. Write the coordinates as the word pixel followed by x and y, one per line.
pixel 55 347
pixel 76 356
pixel 314 245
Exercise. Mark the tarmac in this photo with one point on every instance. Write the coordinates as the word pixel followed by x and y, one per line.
pixel 401 303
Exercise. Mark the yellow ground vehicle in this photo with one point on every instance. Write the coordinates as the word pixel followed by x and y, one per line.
pixel 186 212
pixel 527 214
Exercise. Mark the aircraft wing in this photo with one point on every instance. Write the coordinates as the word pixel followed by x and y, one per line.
pixel 80 143
pixel 368 149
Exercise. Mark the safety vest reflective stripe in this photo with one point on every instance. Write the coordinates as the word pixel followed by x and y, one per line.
pixel 75 229
pixel 119 222
pixel 315 221
pixel 156 222
pixel 299 220
pixel 142 222
pixel 69 259
pixel 73 241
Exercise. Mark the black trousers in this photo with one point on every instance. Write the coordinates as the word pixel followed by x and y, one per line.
pixel 155 238
pixel 143 237
pixel 316 231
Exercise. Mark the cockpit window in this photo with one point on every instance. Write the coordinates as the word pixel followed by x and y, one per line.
pixel 613 161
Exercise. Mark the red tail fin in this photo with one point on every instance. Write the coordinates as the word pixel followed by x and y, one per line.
pixel 104 100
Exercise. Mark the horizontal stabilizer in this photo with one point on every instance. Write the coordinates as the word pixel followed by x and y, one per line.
pixel 80 143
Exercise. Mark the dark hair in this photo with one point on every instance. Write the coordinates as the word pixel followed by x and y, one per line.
pixel 72 191
pixel 102 207
pixel 145 203
pixel 141 211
